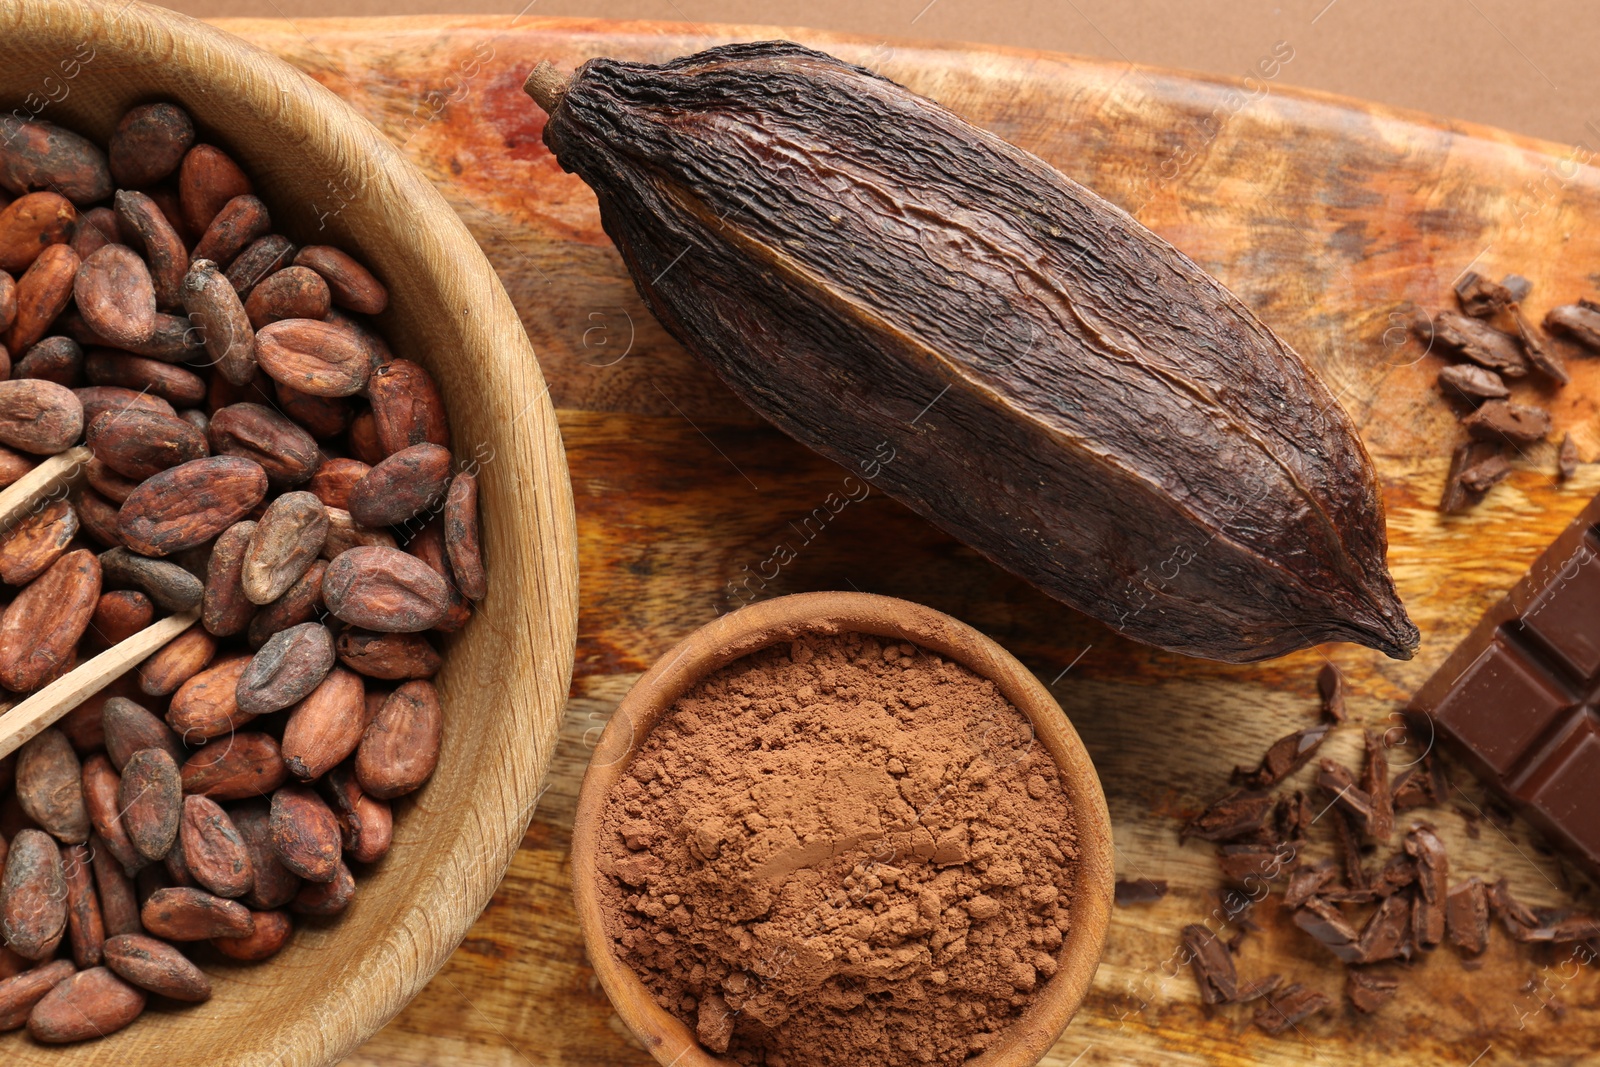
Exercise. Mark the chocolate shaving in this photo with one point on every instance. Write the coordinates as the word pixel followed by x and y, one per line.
pixel 1328 925
pixel 1293 1004
pixel 1566 458
pixel 1285 756
pixel 1375 780
pixel 1238 814
pixel 1560 927
pixel 1539 354
pixel 1433 884
pixel 1480 297
pixel 1387 934
pixel 1212 965
pixel 1501 420
pixel 1514 915
pixel 1368 991
pixel 1473 383
pixel 1138 891
pixel 1579 322
pixel 1467 917
pixel 1481 343
pixel 1330 687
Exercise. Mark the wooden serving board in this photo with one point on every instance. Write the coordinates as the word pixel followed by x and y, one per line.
pixel 1331 218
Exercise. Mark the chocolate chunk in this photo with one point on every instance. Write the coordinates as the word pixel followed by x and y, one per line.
pixel 1413 789
pixel 1325 922
pixel 1518 286
pixel 1481 343
pixel 1468 456
pixel 1467 917
pixel 1308 881
pixel 1258 988
pixel 1387 935
pixel 1399 872
pixel 1579 322
pixel 1239 814
pixel 1284 757
pixel 1480 297
pixel 1375 781
pixel 1242 862
pixel 1473 383
pixel 1292 816
pixel 1539 354
pixel 1347 829
pixel 1330 687
pixel 1566 458
pixel 1336 780
pixel 1212 965
pixel 1433 884
pixel 1501 420
pixel 1139 891
pixel 1514 915
pixel 1368 991
pixel 1288 1007
pixel 1484 476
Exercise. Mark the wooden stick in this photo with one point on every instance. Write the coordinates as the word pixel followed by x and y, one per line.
pixel 60 470
pixel 25 720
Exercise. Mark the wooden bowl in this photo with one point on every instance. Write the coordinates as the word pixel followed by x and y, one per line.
pixel 780 620
pixel 329 176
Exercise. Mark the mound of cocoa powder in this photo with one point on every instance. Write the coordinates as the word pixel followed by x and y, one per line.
pixel 840 851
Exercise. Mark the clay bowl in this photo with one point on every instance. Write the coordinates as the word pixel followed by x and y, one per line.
pixel 327 175
pixel 771 622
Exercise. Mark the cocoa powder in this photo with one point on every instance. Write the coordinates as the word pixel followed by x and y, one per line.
pixel 840 851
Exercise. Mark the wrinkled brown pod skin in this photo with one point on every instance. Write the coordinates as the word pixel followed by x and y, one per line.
pixel 1011 356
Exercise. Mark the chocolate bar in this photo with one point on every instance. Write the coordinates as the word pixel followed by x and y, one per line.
pixel 1519 699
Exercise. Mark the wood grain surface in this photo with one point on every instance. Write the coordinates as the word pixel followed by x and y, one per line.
pixel 1332 219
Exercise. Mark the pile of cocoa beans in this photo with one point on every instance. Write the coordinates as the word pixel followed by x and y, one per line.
pixel 258 456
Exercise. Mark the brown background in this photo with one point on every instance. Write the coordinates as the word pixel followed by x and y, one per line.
pixel 1529 66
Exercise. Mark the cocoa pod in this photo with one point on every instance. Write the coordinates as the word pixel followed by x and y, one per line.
pixel 275 885
pixel 272 932
pixel 366 824
pixel 225 609
pixel 286 542
pixel 97 517
pixel 50 786
pixel 215 308
pixel 326 898
pixel 98 400
pixel 152 802
pixel 352 285
pixel 302 603
pixel 334 479
pixel 116 295
pixel 168 584
pixel 119 907
pixel 1109 332
pixel 181 913
pixel 120 614
pixel 176 662
pixel 86 928
pixel 42 155
pixel 179 387
pixel 260 260
pixel 43 291
pixel 156 967
pixel 217 856
pixel 190 504
pixel 54 359
pixel 305 834
pixel 141 444
pixel 315 357
pixel 407 408
pixel 241 766
pixel 344 534
pixel 147 228
pixel 102 795
pixel 39 417
pixel 29 548
pixel 29 225
pixel 40 629
pixel 400 748
pixel 462 543
pixel 96 228
pixel 33 896
pixel 107 482
pixel 253 431
pixel 208 179
pixel 130 727
pixel 148 144
pixel 242 220
pixel 20 993
pixel 363 441
pixel 427 544
pixel 205 706
pixel 384 589
pixel 286 670
pixel 13 465
pixel 326 726
pixel 388 656
pixel 411 481
pixel 291 293
pixel 85 1006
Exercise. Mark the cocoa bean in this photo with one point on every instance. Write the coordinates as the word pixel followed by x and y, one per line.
pixel 54 359
pixel 242 220
pixel 86 928
pixel 315 357
pixel 326 726
pixel 33 896
pixel 97 228
pixel 50 786
pixel 400 748
pixel 14 465
pixel 120 614
pixel 412 481
pixel 326 898
pixel 261 259
pixel 366 824
pixel 150 230
pixel 386 590
pixel 407 408
pixel 102 795
pixel 253 431
pixel 43 291
pixel 190 504
pixel 275 885
pixel 272 932
pixel 29 225
pixel 214 306
pixel 119 907
pixel 291 293
pixel 141 444
pixel 285 670
pixel 39 417
pixel 208 179
pixel 42 155
pixel 97 517
pixel 244 765
pixel 352 285
pixel 302 603
pixel 335 478
pixel 177 661
pixel 152 802
pixel 462 543
pixel 98 400
pixel 107 482
pixel 168 584
pixel 323 417
pixel 156 967
pixel 217 856
pixel 29 548
pixel 225 609
pixel 19 994
pixel 392 656
pixel 148 144
pixel 205 706
pixel 427 544
pixel 40 629
pixel 286 542
pixel 130 727
pixel 305 833
pixel 344 534
pixel 88 1005
pixel 116 295
pixel 182 913
pixel 177 386
pixel 364 443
